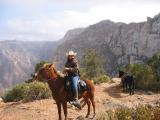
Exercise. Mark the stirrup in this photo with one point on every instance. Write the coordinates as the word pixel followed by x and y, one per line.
pixel 77 104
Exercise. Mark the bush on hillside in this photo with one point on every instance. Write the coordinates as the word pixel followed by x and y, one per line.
pixel 154 62
pixel 139 113
pixel 92 64
pixel 92 67
pixel 101 79
pixel 144 78
pixel 28 92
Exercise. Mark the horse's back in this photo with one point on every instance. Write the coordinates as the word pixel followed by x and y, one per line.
pixel 90 85
pixel 130 79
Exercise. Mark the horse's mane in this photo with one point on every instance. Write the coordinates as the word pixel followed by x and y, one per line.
pixel 59 73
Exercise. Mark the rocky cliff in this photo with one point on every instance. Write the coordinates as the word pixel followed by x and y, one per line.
pixel 18 58
pixel 117 43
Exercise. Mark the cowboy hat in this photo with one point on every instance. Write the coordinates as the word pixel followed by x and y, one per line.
pixel 71 53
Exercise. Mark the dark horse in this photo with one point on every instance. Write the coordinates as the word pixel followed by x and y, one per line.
pixel 56 84
pixel 127 80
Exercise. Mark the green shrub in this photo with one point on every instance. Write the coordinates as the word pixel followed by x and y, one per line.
pixel 101 79
pixel 139 113
pixel 147 75
pixel 40 65
pixel 124 114
pixel 143 74
pixel 156 113
pixel 154 62
pixel 28 92
pixel 143 113
pixel 108 115
pixel 92 64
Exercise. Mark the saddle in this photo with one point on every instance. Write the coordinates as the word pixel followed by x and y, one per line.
pixel 82 86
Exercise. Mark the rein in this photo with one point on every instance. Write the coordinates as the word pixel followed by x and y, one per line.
pixel 48 79
pixel 51 79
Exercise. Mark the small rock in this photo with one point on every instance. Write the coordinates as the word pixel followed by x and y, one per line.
pixel 150 93
pixel 38 111
pixel 23 107
pixel 80 118
pixel 156 102
pixel 138 98
pixel 44 113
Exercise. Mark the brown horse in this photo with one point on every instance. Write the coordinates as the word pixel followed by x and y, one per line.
pixel 49 74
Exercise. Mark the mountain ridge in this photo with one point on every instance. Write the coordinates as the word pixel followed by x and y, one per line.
pixel 18 59
pixel 117 43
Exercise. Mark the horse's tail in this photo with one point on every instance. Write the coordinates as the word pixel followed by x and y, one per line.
pixel 90 85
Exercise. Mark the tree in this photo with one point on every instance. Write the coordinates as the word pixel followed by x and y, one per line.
pixel 1 90
pixel 37 67
pixel 154 62
pixel 143 74
pixel 92 65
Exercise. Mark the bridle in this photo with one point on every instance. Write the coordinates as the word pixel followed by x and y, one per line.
pixel 50 79
pixel 51 71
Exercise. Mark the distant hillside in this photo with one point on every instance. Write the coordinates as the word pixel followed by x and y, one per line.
pixel 18 58
pixel 117 43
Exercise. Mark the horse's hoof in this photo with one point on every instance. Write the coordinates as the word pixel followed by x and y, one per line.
pixel 94 116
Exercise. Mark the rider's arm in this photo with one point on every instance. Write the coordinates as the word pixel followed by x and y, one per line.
pixel 75 67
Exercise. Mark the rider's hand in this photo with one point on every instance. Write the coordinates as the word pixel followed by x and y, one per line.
pixel 67 68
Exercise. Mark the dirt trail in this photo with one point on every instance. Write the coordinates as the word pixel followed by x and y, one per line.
pixel 108 96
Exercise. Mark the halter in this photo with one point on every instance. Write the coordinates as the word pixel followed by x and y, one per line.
pixel 48 79
pixel 51 79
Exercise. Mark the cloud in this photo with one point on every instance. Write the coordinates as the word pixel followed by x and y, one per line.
pixel 53 25
pixel 45 29
pixel 122 13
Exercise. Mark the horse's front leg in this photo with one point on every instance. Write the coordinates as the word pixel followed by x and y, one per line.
pixel 59 110
pixel 130 89
pixel 133 88
pixel 64 104
pixel 123 86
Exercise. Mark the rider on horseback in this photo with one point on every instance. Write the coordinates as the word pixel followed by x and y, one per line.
pixel 72 69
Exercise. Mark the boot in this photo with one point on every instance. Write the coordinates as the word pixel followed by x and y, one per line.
pixel 76 102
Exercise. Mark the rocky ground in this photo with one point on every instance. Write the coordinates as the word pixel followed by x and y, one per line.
pixel 108 96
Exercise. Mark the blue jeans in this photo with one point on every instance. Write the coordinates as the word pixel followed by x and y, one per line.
pixel 74 82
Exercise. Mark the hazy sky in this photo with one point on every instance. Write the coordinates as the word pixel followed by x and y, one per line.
pixel 50 19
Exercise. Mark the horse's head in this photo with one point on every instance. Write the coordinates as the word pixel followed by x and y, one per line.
pixel 121 73
pixel 47 72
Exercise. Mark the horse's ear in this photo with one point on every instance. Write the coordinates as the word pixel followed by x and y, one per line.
pixel 51 65
pixel 45 65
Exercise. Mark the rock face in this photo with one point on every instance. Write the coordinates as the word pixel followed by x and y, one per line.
pixel 117 43
pixel 17 59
